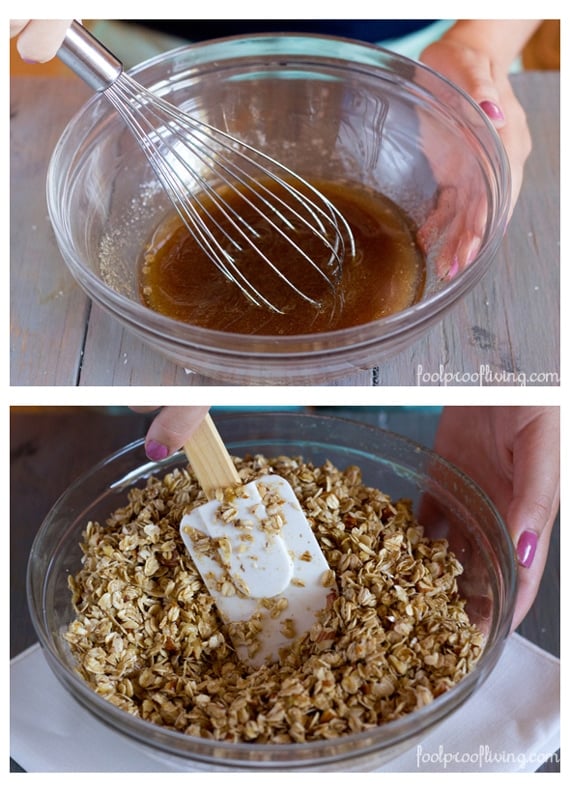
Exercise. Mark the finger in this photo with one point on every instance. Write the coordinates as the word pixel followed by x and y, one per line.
pixel 536 498
pixel 455 232
pixel 17 25
pixel 536 481
pixel 517 141
pixel 171 429
pixel 478 82
pixel 467 69
pixel 41 39
pixel 529 580
pixel 144 409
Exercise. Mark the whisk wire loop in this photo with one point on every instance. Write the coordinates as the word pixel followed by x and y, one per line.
pixel 201 167
pixel 177 189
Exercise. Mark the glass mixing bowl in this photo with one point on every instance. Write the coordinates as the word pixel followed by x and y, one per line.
pixel 326 107
pixel 450 505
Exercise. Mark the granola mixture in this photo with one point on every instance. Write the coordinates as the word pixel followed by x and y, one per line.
pixel 148 638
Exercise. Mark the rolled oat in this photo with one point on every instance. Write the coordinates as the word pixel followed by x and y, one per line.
pixel 147 636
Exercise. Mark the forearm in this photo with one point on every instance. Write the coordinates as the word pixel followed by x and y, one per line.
pixel 501 39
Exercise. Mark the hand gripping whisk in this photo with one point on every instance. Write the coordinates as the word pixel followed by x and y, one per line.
pixel 203 169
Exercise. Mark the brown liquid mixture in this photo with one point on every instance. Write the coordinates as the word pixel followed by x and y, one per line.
pixel 385 276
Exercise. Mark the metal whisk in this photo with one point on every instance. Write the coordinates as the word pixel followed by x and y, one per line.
pixel 202 168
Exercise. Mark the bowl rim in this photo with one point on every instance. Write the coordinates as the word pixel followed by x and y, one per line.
pixel 266 346
pixel 204 749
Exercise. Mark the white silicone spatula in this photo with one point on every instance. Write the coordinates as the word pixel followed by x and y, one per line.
pixel 255 551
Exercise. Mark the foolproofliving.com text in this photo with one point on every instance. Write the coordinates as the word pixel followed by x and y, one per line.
pixel 483 757
pixel 484 375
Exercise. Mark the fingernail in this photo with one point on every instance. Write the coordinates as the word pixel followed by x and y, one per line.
pixel 453 269
pixel 492 110
pixel 471 254
pixel 156 451
pixel 526 548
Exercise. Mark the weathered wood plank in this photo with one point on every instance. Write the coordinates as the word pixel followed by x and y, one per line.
pixel 506 331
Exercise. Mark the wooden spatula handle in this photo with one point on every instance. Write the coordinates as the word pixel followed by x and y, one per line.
pixel 210 461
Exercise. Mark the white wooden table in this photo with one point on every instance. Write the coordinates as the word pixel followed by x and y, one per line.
pixel 505 332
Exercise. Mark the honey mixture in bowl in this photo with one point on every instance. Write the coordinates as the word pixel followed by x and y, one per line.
pixel 385 276
pixel 148 638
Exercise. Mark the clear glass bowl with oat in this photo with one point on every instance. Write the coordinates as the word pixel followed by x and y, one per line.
pixel 426 577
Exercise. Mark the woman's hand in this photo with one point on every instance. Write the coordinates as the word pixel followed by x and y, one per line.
pixel 170 429
pixel 38 39
pixel 487 84
pixel 513 453
pixel 476 55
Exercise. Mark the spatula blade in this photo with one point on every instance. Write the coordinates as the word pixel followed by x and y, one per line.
pixel 262 564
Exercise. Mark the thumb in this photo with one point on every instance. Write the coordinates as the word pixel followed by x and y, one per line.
pixel 170 430
pixel 472 72
pixel 40 40
pixel 535 502
pixel 479 83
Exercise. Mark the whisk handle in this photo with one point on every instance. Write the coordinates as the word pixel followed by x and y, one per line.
pixel 88 58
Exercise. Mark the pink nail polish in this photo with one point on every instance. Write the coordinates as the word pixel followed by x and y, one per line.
pixel 526 548
pixel 492 110
pixel 156 451
pixel 453 268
